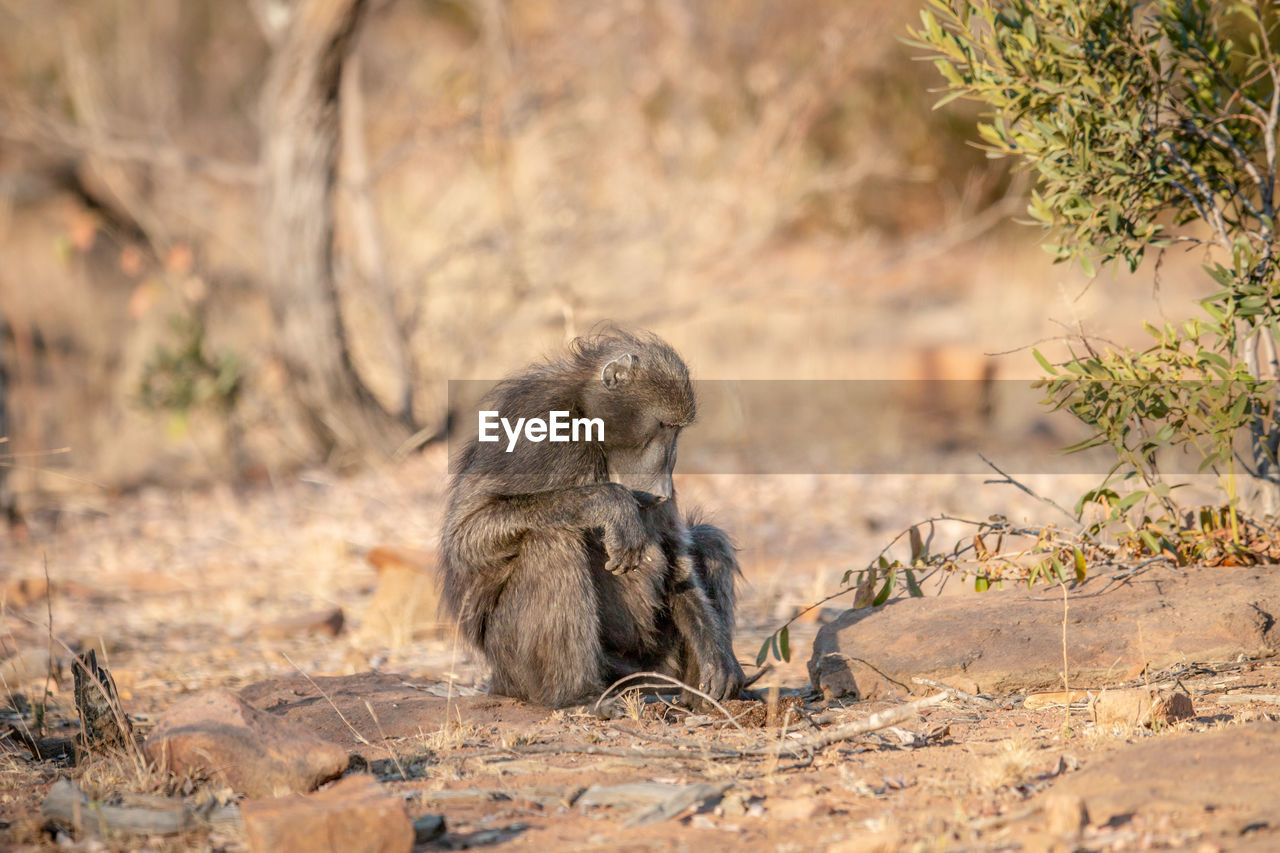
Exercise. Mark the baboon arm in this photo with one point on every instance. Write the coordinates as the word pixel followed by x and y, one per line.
pixel 492 524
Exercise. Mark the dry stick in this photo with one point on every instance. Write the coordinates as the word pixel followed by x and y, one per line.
pixel 1066 711
pixel 761 673
pixel 48 671
pixel 674 681
pixel 956 692
pixel 453 661
pixel 1010 481
pixel 395 759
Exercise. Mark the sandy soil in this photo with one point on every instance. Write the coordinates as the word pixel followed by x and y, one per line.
pixel 185 591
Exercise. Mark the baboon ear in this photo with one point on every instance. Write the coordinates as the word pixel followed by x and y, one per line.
pixel 617 372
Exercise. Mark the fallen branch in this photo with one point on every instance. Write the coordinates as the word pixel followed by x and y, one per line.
pixel 956 693
pixel 700 750
pixel 68 806
pixel 1246 698
pixel 677 803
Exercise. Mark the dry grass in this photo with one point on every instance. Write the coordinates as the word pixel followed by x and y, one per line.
pixel 1011 765
pixel 632 702
pixel 450 737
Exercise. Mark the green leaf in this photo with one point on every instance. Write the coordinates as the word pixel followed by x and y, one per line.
pixel 763 654
pixel 1081 568
pixel 1150 541
pixel 981 584
pixel 1129 500
pixel 784 643
pixel 883 595
pixel 912 586
pixel 1044 363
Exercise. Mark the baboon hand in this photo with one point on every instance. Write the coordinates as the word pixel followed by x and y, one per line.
pixel 722 677
pixel 625 538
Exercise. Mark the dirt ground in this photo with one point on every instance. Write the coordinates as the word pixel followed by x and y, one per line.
pixel 185 591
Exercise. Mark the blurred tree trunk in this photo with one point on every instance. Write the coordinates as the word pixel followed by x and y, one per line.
pixel 300 132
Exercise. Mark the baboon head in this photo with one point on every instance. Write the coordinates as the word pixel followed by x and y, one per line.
pixel 644 396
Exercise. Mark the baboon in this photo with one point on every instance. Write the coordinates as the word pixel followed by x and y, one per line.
pixel 568 563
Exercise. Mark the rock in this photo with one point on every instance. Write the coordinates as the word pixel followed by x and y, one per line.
pixel 406 602
pixel 354 815
pixel 1140 706
pixel 1011 640
pixel 1065 814
pixel 842 677
pixel 257 754
pixel 1233 769
pixel 405 708
pixel 427 828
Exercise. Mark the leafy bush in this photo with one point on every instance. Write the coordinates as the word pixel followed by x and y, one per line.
pixel 1147 125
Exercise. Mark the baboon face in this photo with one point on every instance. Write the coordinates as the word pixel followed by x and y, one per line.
pixel 645 400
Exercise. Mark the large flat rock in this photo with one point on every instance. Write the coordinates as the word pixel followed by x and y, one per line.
pixel 217 733
pixel 1234 773
pixel 1011 640
pixel 381 706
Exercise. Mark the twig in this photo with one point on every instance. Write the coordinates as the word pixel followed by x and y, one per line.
pixel 763 671
pixel 48 609
pixel 1008 480
pixel 395 759
pixel 675 681
pixel 590 749
pixel 956 693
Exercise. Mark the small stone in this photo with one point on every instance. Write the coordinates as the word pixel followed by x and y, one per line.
pixel 1065 814
pixel 355 815
pixel 255 753
pixel 733 806
pixel 429 827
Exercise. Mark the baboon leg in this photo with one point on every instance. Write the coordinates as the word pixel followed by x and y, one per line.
pixel 542 639
pixel 717 566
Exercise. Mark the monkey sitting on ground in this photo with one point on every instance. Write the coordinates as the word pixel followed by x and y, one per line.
pixel 567 563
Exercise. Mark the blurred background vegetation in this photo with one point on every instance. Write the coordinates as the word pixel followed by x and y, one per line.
pixel 764 183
